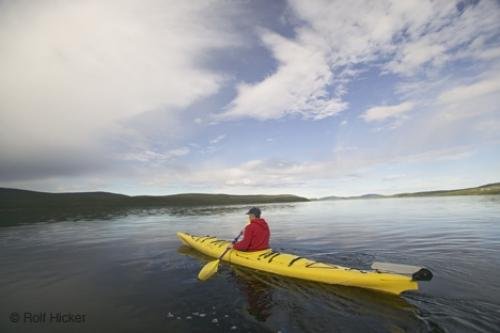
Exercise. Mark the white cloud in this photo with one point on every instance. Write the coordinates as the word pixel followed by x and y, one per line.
pixel 152 156
pixel 341 148
pixel 413 55
pixel 217 139
pixel 253 173
pixel 401 37
pixel 393 177
pixel 300 85
pixel 440 154
pixel 488 54
pixel 381 113
pixel 446 35
pixel 212 146
pixel 458 107
pixel 471 91
pixel 72 71
pixel 452 110
pixel 274 175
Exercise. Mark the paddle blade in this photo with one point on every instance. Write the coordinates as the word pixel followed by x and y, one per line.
pixel 395 268
pixel 208 270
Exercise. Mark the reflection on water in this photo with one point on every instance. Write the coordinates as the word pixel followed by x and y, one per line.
pixel 259 295
pixel 126 271
pixel 14 217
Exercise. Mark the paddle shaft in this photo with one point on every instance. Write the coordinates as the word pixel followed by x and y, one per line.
pixel 237 237
pixel 229 248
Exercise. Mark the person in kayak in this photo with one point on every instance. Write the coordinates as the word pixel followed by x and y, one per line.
pixel 256 234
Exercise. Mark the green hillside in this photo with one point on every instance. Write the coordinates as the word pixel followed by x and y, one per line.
pixel 488 189
pixel 22 206
pixel 15 199
pixel 480 190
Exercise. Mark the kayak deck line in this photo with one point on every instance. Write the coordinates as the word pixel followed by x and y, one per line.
pixel 211 237
pixel 299 267
pixel 273 256
pixel 294 260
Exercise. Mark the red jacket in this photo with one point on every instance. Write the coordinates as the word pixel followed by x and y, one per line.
pixel 256 236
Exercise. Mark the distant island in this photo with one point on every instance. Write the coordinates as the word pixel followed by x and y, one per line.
pixel 480 190
pixel 18 199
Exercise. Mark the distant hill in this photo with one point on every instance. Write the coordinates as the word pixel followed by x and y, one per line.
pixel 364 196
pixel 480 190
pixel 16 199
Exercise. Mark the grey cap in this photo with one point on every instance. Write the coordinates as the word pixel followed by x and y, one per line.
pixel 254 211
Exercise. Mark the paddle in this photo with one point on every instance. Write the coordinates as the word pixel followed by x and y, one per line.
pixel 395 268
pixel 417 273
pixel 211 268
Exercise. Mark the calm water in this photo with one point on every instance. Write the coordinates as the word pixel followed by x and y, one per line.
pixel 128 272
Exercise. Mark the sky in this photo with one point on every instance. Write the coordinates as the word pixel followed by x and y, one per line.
pixel 313 98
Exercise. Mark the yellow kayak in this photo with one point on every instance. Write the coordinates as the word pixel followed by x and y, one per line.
pixel 301 268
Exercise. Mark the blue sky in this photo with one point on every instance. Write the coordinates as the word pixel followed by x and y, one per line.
pixel 313 98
